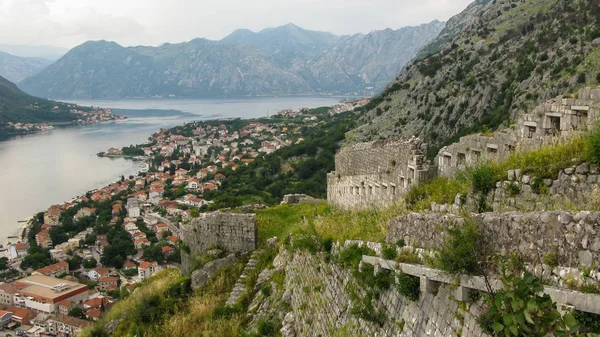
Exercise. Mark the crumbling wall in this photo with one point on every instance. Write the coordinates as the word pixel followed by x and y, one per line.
pixel 228 231
pixel 574 239
pixel 377 172
pixel 321 306
pixel 559 118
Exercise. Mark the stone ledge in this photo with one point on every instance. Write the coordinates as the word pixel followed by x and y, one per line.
pixel 580 301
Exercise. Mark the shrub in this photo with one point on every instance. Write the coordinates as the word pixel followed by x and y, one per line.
pixel 513 189
pixel 519 310
pixel 266 327
pixel 551 259
pixel 327 244
pixel 594 146
pixel 388 252
pixel 400 243
pixel 265 289
pixel 352 255
pixel 409 256
pixel 462 251
pixel 589 322
pixel 483 177
pixel 408 286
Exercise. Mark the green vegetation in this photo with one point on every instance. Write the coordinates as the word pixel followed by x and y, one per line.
pixel 461 252
pixel 543 163
pixel 519 310
pixel 408 286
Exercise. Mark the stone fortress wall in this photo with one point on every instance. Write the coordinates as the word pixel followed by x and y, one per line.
pixel 378 171
pixel 228 231
pixel 383 171
pixel 550 122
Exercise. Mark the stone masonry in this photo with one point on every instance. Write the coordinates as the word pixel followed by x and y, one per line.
pixel 377 172
pixel 574 239
pixel 321 306
pixel 550 121
pixel 228 231
pixel 383 171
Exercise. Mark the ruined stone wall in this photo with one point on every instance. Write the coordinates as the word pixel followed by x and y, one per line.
pixel 321 306
pixel 228 231
pixel 573 238
pixel 575 187
pixel 557 118
pixel 377 172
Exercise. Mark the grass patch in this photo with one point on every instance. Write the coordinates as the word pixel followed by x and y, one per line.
pixel 278 221
pixel 543 163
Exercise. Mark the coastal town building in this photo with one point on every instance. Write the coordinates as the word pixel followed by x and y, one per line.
pixel 133 208
pixel 41 293
pixel 7 293
pixel 62 325
pixel 147 269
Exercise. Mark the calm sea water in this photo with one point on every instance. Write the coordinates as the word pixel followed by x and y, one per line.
pixel 48 168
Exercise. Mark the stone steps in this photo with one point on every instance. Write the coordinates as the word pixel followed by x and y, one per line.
pixel 240 288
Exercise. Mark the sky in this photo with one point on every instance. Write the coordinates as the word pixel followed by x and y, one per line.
pixel 67 23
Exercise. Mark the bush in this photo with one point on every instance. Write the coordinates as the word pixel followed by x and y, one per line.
pixel 327 244
pixel 265 289
pixel 594 146
pixel 483 177
pixel 462 251
pixel 351 256
pixel 519 310
pixel 513 189
pixel 388 252
pixel 551 259
pixel 408 286
pixel 589 322
pixel 266 327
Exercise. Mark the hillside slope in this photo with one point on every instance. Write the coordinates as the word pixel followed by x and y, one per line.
pixel 492 62
pixel 287 60
pixel 17 106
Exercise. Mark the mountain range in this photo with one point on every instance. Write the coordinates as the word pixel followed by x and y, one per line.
pixel 15 68
pixel 286 60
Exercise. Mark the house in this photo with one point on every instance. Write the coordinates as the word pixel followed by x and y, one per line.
pixel 114 151
pixel 141 243
pixel 93 314
pixel 41 293
pixel 203 173
pixel 86 211
pixel 64 307
pixel 129 265
pixel 7 292
pixel 117 208
pixel 155 194
pixel 43 238
pixel 20 315
pixel 181 173
pixel 172 239
pixel 5 318
pixel 53 269
pixel 52 215
pixel 167 250
pixel 210 187
pixel 133 207
pixel 98 273
pixel 220 177
pixel 98 303
pixel 160 227
pixel 62 325
pixel 193 184
pixel 147 269
pixel 107 283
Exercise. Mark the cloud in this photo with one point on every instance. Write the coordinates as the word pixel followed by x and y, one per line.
pixel 132 22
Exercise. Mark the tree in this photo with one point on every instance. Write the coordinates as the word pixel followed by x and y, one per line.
pixel 77 312
pixel 58 235
pixel 74 262
pixel 153 253
pixel 90 263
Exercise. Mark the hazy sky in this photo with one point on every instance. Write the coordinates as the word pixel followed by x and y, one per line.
pixel 67 23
